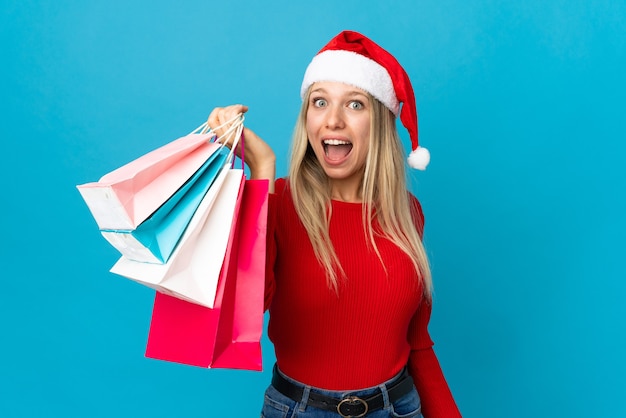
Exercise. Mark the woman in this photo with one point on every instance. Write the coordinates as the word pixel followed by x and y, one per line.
pixel 348 284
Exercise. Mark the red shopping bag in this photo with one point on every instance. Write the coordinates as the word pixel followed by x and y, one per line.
pixel 227 335
pixel 239 333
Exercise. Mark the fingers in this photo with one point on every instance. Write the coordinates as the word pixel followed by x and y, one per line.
pixel 220 116
pixel 231 110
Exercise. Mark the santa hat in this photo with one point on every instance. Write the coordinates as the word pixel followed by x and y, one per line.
pixel 354 59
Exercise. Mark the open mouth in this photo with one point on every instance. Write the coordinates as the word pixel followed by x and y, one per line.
pixel 336 149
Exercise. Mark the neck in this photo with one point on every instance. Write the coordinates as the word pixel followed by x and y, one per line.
pixel 346 191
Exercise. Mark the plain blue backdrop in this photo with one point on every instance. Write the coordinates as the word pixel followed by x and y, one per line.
pixel 520 103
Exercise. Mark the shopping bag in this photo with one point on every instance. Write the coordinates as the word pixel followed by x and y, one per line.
pixel 229 334
pixel 127 196
pixel 193 269
pixel 239 331
pixel 154 239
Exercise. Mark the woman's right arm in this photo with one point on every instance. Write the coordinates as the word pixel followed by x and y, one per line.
pixel 259 156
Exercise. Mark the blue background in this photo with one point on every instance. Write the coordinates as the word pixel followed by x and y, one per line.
pixel 520 103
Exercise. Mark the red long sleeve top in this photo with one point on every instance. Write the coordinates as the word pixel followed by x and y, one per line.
pixel 365 334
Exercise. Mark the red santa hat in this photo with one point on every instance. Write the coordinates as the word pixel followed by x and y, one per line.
pixel 354 59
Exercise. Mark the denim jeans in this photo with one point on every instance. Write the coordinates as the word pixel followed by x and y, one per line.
pixel 277 405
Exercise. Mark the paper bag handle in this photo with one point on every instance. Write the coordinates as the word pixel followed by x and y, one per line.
pixel 235 129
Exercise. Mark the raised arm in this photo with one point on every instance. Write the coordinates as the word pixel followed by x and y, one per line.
pixel 259 156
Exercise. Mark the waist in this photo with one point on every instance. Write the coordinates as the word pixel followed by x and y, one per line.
pixel 351 403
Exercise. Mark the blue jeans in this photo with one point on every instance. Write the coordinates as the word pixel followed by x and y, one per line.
pixel 277 405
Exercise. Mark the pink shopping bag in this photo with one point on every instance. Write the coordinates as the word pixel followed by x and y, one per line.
pixel 239 332
pixel 227 335
pixel 127 196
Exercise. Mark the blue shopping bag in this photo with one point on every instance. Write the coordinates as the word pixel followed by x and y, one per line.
pixel 154 240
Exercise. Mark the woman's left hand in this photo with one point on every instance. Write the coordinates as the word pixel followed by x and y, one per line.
pixel 259 156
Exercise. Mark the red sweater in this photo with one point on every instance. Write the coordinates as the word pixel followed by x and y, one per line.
pixel 367 333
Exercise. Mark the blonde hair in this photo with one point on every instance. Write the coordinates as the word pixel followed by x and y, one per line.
pixel 383 189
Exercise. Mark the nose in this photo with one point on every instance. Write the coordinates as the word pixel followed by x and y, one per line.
pixel 335 117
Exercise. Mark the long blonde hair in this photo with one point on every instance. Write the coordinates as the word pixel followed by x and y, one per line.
pixel 383 188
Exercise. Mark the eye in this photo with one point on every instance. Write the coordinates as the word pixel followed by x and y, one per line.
pixel 319 103
pixel 356 105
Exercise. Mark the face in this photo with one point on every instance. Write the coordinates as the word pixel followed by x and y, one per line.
pixel 338 128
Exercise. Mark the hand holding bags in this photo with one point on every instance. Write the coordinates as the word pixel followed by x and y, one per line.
pixel 211 287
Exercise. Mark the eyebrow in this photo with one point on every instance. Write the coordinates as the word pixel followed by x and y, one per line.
pixel 350 93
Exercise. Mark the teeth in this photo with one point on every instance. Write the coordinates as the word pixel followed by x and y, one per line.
pixel 335 142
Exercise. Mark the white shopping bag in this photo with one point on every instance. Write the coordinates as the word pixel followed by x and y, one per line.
pixel 193 270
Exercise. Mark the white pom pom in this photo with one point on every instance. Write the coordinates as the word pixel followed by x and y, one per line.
pixel 419 158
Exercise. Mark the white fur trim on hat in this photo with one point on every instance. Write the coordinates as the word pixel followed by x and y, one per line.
pixel 355 69
pixel 419 158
